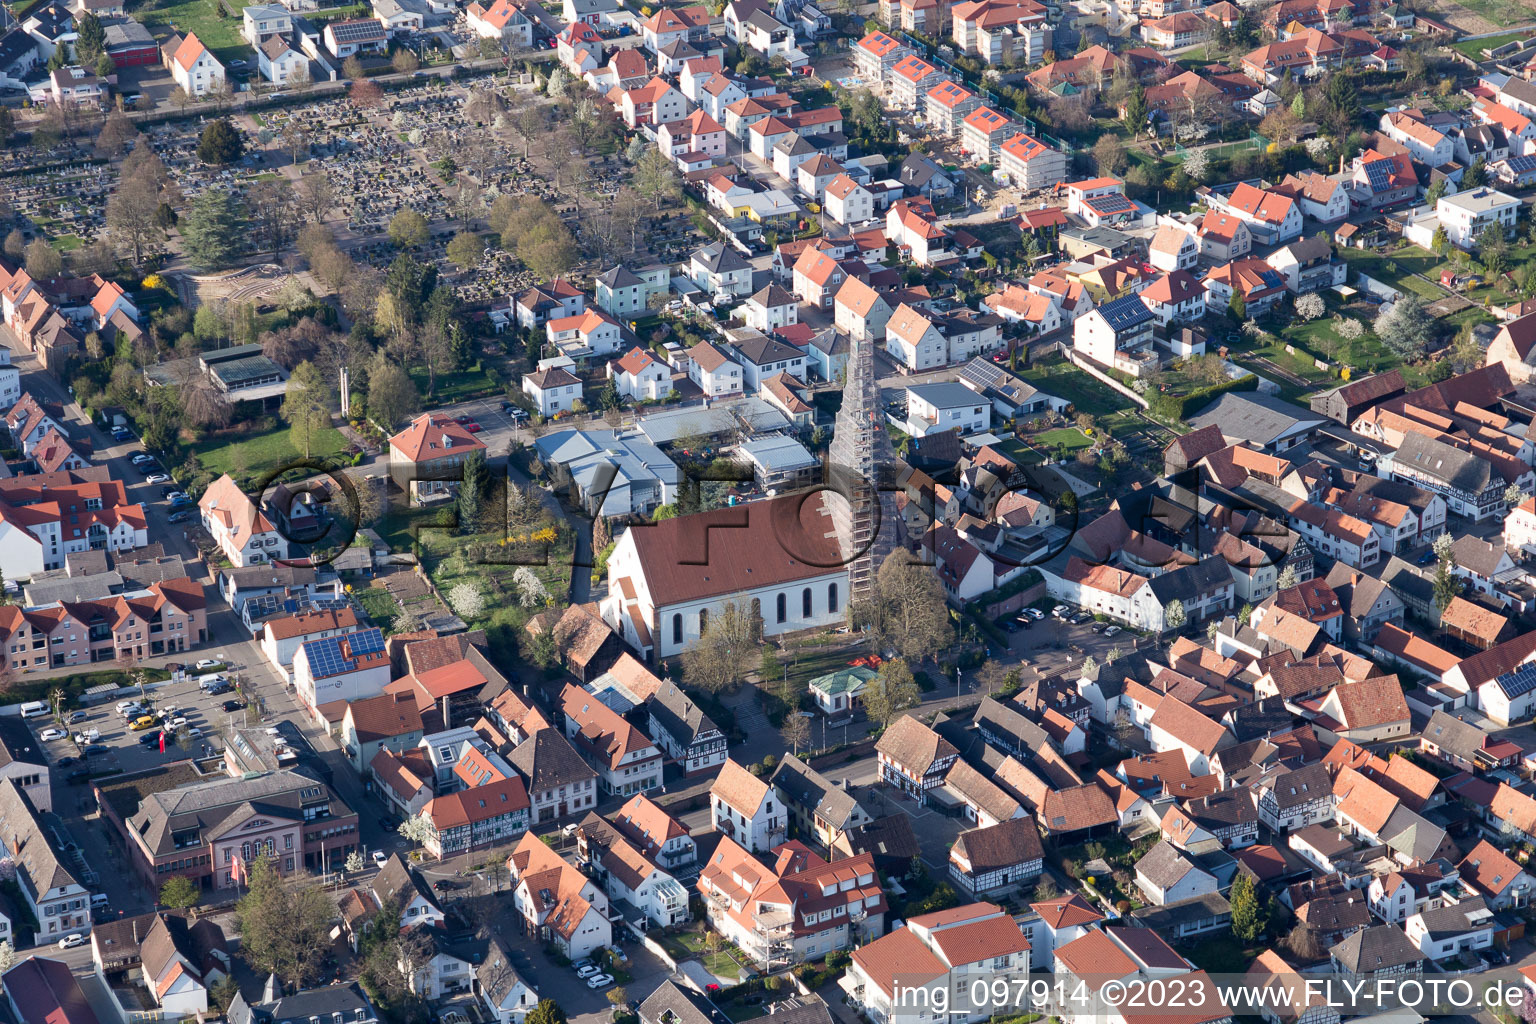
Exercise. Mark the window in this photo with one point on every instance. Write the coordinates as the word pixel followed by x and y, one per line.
pixel 677 628
pixel 703 620
pixel 805 603
pixel 782 606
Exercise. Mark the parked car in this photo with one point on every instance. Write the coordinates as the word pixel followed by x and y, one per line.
pixel 233 705
pixel 71 941
pixel 209 665
pixel 599 981
pixel 1059 612
pixel 380 858
pixel 180 515
pixel 589 971
pixel 79 716
pixel 143 722
pixel 158 478
pixel 91 750
pixel 473 427
pixel 141 458
pixel 150 739
pixel 1111 631
pixel 78 775
pixel 66 761
pixel 51 734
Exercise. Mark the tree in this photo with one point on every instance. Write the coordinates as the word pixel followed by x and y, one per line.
pixel 1237 309
pixel 284 928
pixel 116 131
pixel 273 214
pixel 531 592
pixel 1440 241
pixel 16 244
pixel 466 250
pixel 1475 175
pixel 1513 496
pixel 304 407
pixel 474 485
pixel 355 862
pixel 725 650
pixel 316 196
pixel 391 394
pixel 1493 250
pixel 548 249
pixel 1406 327
pixel 365 95
pixel 417 829
pixel 220 144
pixel 617 997
pixel 467 601
pixel 1303 943
pixel 1136 110
pixel 891 692
pixel 214 231
pixel 43 260
pixel 131 214
pixel 1247 916
pixel 1109 155
pixel 408 229
pixel 797 729
pixel 1435 192
pixel 352 68
pixel 1310 306
pixel 180 892
pixel 1447 585
pixel 655 177
pixel 7 955
pixel 91 40
pixel 1174 615
pixel 906 609
pixel 404 62
pixel 548 1012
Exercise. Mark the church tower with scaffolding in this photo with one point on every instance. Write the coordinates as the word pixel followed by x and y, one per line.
pixel 863 471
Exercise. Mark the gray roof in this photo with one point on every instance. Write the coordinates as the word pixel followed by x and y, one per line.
pixel 1379 948
pixel 1011 729
pixel 1190 582
pixel 547 760
pixel 204 806
pixel 601 461
pixel 72 588
pixel 1172 915
pixel 620 276
pixel 799 783
pixel 1164 865
pixel 679 715
pixel 917 170
pixel 749 414
pixel 1255 417
pixel 831 341
pixel 17 745
pixel 1295 788
pixel 761 349
pixel 347 1000
pixel 396 881
pixel 777 452
pixel 497 977
pixel 36 859
pixel 719 258
pixel 946 395
pixel 1439 461
pixel 675 1005
pixel 1454 735
pixel 1447 922
pixel 1477 555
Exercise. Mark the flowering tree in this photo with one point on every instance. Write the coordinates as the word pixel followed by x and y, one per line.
pixel 467 601
pixel 530 589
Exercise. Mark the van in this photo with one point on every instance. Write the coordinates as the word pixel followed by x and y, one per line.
pixel 143 722
pixel 209 682
pixel 34 708
pixel 99 900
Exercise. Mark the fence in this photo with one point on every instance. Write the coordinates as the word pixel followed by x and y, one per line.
pixel 1103 378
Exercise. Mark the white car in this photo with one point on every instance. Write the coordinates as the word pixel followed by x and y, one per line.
pixel 207 664
pixel 178 496
pixel 157 478
pixel 71 941
pixel 51 734
pixel 380 858
pixel 176 723
pixel 1111 630
pixel 124 705
pixel 588 971
pixel 600 981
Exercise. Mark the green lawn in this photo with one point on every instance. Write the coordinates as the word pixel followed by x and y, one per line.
pixel 1500 12
pixel 1062 379
pixel 1474 48
pixel 1397 268
pixel 378 605
pixel 256 456
pixel 219 34
pixel 473 382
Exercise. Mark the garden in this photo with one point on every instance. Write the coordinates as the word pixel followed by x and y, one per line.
pixel 216 22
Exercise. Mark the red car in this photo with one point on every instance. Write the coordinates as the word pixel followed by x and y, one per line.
pixel 463 419
pixel 473 427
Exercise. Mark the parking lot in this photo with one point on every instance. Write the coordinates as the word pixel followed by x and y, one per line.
pixel 1053 646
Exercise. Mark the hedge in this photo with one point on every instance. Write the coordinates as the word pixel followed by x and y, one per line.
pixel 1177 407
pixel 74 686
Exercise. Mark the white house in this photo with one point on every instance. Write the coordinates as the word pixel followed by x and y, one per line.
pixel 747 809
pixel 721 271
pixel 263 20
pixel 1117 334
pixel 242 531
pixel 195 69
pixel 1466 215
pixel 280 63
pixel 848 202
pixel 592 333
pixel 346 667
pixel 500 20
pixel 1452 929
pixel 946 405
pixel 639 376
pixel 625 293
pixel 553 389
pixel 714 372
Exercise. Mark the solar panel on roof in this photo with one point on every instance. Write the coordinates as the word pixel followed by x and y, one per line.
pixel 982 372
pixel 1519 682
pixel 1378 174
pixel 1113 202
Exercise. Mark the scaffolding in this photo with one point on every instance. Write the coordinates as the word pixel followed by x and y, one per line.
pixel 863 474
